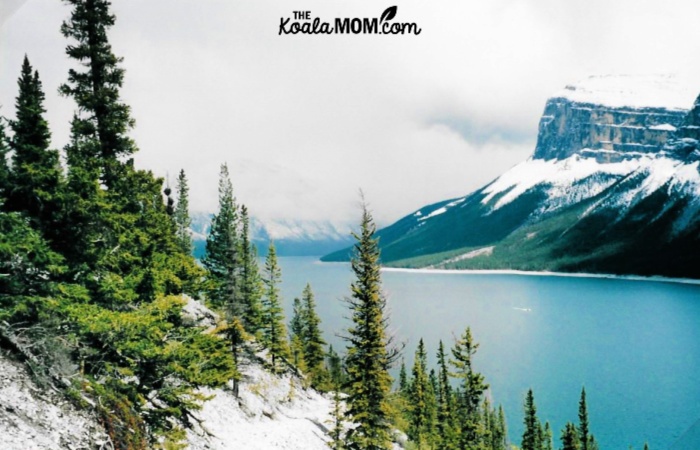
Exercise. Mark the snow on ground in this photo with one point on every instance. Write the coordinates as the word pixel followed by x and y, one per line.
pixel 32 418
pixel 635 91
pixel 273 412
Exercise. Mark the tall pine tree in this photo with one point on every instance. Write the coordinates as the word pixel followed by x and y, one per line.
pixel 222 259
pixel 181 215
pixel 314 354
pixel 251 284
pixel 532 435
pixel 274 331
pixel 296 333
pixel 421 398
pixel 369 351
pixel 588 441
pixel 4 167
pixel 445 403
pixel 36 173
pixel 472 387
pixel 102 123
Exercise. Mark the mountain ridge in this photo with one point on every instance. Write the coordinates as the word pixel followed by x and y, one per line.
pixel 608 189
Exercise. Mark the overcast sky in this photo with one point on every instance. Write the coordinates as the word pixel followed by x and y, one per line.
pixel 305 121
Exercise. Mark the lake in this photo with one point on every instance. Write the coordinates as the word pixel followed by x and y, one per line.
pixel 634 345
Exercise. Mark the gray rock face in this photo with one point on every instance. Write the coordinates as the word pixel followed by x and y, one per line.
pixel 607 133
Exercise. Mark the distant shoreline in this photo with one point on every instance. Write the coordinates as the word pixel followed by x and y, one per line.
pixel 654 278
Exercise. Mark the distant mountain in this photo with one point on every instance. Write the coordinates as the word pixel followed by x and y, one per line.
pixel 291 237
pixel 613 186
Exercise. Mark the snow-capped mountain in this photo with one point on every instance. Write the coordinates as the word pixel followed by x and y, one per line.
pixel 291 237
pixel 612 186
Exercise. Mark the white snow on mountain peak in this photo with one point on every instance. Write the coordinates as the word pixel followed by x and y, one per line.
pixel 634 91
pixel 558 175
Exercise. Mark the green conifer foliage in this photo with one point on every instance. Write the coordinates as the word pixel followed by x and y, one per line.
pixel 296 331
pixel 421 400
pixel 472 387
pixel 103 120
pixel 36 173
pixel 570 438
pixel 4 167
pixel 369 353
pixel 251 283
pixel 403 379
pixel 445 404
pixel 314 353
pixel 223 257
pixel 181 215
pixel 532 435
pixel 588 441
pixel 274 330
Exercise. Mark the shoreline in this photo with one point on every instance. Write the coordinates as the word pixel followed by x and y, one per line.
pixel 653 278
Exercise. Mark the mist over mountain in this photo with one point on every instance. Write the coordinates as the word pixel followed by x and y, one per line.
pixel 612 186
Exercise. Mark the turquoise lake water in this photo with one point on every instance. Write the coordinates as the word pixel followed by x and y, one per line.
pixel 634 345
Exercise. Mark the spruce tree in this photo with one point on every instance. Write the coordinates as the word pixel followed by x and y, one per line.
pixel 532 435
pixel 547 443
pixel 587 439
pixel 36 173
pixel 314 354
pixel 222 258
pixel 274 330
pixel 103 120
pixel 472 387
pixel 403 379
pixel 420 403
pixel 369 352
pixel 4 167
pixel 445 405
pixel 296 332
pixel 335 368
pixel 251 283
pixel 570 438
pixel 181 215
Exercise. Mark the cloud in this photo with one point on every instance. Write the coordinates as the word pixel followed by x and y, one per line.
pixel 304 121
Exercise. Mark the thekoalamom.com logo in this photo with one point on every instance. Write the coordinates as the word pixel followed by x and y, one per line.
pixel 303 24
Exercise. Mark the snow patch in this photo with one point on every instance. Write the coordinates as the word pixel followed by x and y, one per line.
pixel 32 418
pixel 443 209
pixel 635 91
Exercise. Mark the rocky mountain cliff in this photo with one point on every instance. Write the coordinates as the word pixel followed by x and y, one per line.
pixel 612 186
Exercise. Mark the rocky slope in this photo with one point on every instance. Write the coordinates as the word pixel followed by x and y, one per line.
pixel 612 186
pixel 272 411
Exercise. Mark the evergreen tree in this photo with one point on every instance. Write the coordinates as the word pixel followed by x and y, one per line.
pixel 100 128
pixel 251 284
pixel 222 258
pixel 181 215
pixel 36 173
pixel 335 368
pixel 296 330
pixel 532 435
pixel 547 443
pixel 4 168
pixel 421 404
pixel 587 439
pixel 472 390
pixel 445 405
pixel 369 352
pixel 403 379
pixel 336 432
pixel 570 438
pixel 646 446
pixel 314 354
pixel 501 437
pixel 274 332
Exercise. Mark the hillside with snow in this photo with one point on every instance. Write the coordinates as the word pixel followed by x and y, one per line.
pixel 271 412
pixel 612 186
